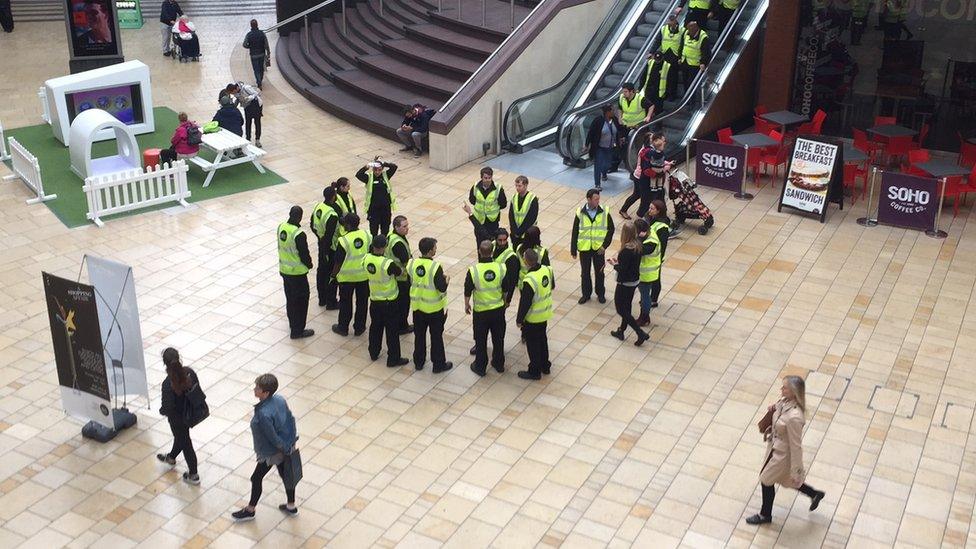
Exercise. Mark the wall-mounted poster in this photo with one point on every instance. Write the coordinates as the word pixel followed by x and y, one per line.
pixel 93 29
pixel 813 167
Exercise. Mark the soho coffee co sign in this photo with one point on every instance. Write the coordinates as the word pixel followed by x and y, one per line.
pixel 719 165
pixel 908 201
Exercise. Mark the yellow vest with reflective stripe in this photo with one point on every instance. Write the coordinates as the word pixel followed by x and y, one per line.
pixel 632 112
pixel 487 279
pixel 320 218
pixel 662 85
pixel 356 244
pixel 519 213
pixel 343 208
pixel 392 239
pixel 591 232
pixel 896 12
pixel 424 296
pixel 382 286
pixel 671 39
pixel 523 268
pixel 650 264
pixel 700 4
pixel 691 53
pixel 502 257
pixel 485 207
pixel 289 262
pixel 541 283
pixel 729 4
pixel 370 180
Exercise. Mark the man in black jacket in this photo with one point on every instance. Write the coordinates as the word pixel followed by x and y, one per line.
pixel 696 52
pixel 6 16
pixel 602 140
pixel 414 127
pixel 169 12
pixel 380 198
pixel 592 235
pixel 523 210
pixel 294 263
pixel 325 221
pixel 257 44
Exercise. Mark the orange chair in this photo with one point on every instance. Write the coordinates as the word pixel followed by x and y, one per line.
pixel 919 141
pixel 763 126
pixel 967 154
pixel 818 120
pixel 761 110
pixel 725 136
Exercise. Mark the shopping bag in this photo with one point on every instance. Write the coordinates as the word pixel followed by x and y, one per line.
pixel 291 469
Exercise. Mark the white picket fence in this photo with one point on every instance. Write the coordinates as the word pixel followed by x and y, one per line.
pixel 45 107
pixel 135 189
pixel 25 167
pixel 4 155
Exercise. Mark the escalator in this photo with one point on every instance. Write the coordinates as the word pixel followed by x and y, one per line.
pixel 616 51
pixel 680 118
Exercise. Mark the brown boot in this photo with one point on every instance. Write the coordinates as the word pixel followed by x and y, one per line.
pixel 643 320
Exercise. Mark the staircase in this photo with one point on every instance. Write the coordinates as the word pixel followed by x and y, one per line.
pixel 53 10
pixel 381 63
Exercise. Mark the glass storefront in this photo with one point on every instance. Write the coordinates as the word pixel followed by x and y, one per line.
pixel 914 60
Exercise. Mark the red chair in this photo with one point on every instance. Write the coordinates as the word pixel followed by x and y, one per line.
pixel 865 145
pixel 851 173
pixel 818 120
pixel 753 161
pixel 898 146
pixel 725 136
pixel 956 189
pixel 920 138
pixel 775 160
pixel 916 156
pixel 885 121
pixel 761 110
pixel 763 126
pixel 967 154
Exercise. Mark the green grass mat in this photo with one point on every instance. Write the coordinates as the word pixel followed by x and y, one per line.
pixel 71 207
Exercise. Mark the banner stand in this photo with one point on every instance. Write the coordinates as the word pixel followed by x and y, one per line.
pixel 742 194
pixel 867 221
pixel 935 232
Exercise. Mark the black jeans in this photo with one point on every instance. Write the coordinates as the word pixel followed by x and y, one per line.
pixel 489 322
pixel 722 15
pixel 655 289
pixel 379 222
pixel 769 493
pixel 383 321
pixel 346 290
pixel 324 281
pixel 259 472
pixel 687 73
pixel 623 302
pixel 257 63
pixel 403 304
pixel 253 112
pixel 595 261
pixel 487 231
pixel 537 345
pixel 433 323
pixel 296 301
pixel 182 443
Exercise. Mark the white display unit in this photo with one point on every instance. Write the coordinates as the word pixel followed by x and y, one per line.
pixel 115 88
pixel 96 122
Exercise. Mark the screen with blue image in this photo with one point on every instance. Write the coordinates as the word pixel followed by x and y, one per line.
pixel 122 102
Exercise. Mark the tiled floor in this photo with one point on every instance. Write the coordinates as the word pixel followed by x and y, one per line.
pixel 650 447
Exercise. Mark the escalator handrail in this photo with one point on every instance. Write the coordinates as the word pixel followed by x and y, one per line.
pixel 640 61
pixel 567 76
pixel 692 90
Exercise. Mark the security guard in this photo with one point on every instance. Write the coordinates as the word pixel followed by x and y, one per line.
pixel 294 262
pixel 325 220
pixel 398 249
pixel 345 203
pixel 488 201
pixel 503 254
pixel 698 11
pixel 657 81
pixel 592 235
pixel 859 19
pixel 695 53
pixel 428 287
pixel 523 211
pixel 380 198
pixel 893 19
pixel 350 250
pixel 722 11
pixel 650 267
pixel 533 241
pixel 485 284
pixel 381 272
pixel 534 312
pixel 671 35
pixel 635 109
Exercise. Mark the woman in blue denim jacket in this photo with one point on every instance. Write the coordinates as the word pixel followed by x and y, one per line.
pixel 275 434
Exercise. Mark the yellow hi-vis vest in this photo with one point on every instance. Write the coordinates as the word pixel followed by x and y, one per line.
pixel 289 262
pixel 541 283
pixel 344 205
pixel 729 4
pixel 896 12
pixel 700 4
pixel 485 207
pixel 424 296
pixel 487 279
pixel 671 39
pixel 320 218
pixel 691 53
pixel 650 264
pixel 356 244
pixel 662 85
pixel 382 286
pixel 523 268
pixel 593 232
pixel 392 239
pixel 519 213
pixel 502 257
pixel 632 112
pixel 389 187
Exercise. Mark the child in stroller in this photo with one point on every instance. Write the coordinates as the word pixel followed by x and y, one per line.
pixel 185 38
pixel 687 204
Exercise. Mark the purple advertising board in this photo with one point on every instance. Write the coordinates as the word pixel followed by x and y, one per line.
pixel 908 201
pixel 720 166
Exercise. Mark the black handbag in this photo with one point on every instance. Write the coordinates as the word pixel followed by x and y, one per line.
pixel 196 409
pixel 291 469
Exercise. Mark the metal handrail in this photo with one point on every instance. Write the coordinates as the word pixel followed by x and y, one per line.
pixel 298 16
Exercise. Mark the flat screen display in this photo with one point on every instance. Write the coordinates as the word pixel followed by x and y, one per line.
pixel 92 28
pixel 122 102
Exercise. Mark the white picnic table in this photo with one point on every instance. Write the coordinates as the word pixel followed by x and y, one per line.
pixel 223 143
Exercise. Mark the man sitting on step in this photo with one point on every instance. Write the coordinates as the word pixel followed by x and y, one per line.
pixel 413 130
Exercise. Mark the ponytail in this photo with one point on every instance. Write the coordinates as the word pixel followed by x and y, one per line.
pixel 178 378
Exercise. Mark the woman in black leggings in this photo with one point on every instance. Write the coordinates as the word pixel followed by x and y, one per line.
pixel 627 265
pixel 178 381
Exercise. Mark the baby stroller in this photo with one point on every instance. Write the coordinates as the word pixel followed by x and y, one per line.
pixel 185 41
pixel 687 204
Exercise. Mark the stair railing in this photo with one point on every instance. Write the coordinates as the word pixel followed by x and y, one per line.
pixel 304 16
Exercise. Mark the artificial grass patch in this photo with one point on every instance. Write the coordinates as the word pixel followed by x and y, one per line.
pixel 71 206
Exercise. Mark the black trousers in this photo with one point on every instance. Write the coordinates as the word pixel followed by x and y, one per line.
pixel 623 302
pixel 489 322
pixel 699 15
pixel 515 238
pixel 642 192
pixel 595 261
pixel 403 304
pixel 182 444
pixel 253 113
pixel 346 291
pixel 324 281
pixel 769 493
pixel 722 15
pixel 687 74
pixel 379 222
pixel 655 289
pixel 382 322
pixel 296 301
pixel 257 65
pixel 259 472
pixel 858 24
pixel 6 18
pixel 433 323
pixel 537 344
pixel 488 230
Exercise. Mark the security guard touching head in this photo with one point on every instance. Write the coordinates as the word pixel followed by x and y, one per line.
pixel 380 198
pixel 490 290
pixel 534 312
pixel 398 249
pixel 381 273
pixel 294 262
pixel 428 289
pixel 351 248
pixel 592 235
pixel 325 224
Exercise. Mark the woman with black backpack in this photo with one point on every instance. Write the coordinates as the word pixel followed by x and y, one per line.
pixel 182 410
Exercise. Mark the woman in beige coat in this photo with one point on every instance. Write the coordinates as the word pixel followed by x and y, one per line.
pixel 784 450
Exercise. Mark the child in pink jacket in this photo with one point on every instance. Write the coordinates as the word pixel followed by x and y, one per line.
pixel 181 138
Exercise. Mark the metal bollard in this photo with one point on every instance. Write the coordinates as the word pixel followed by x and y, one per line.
pixel 459 10
pixel 484 11
pixel 306 35
pixel 343 17
pixel 513 14
pixel 381 8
